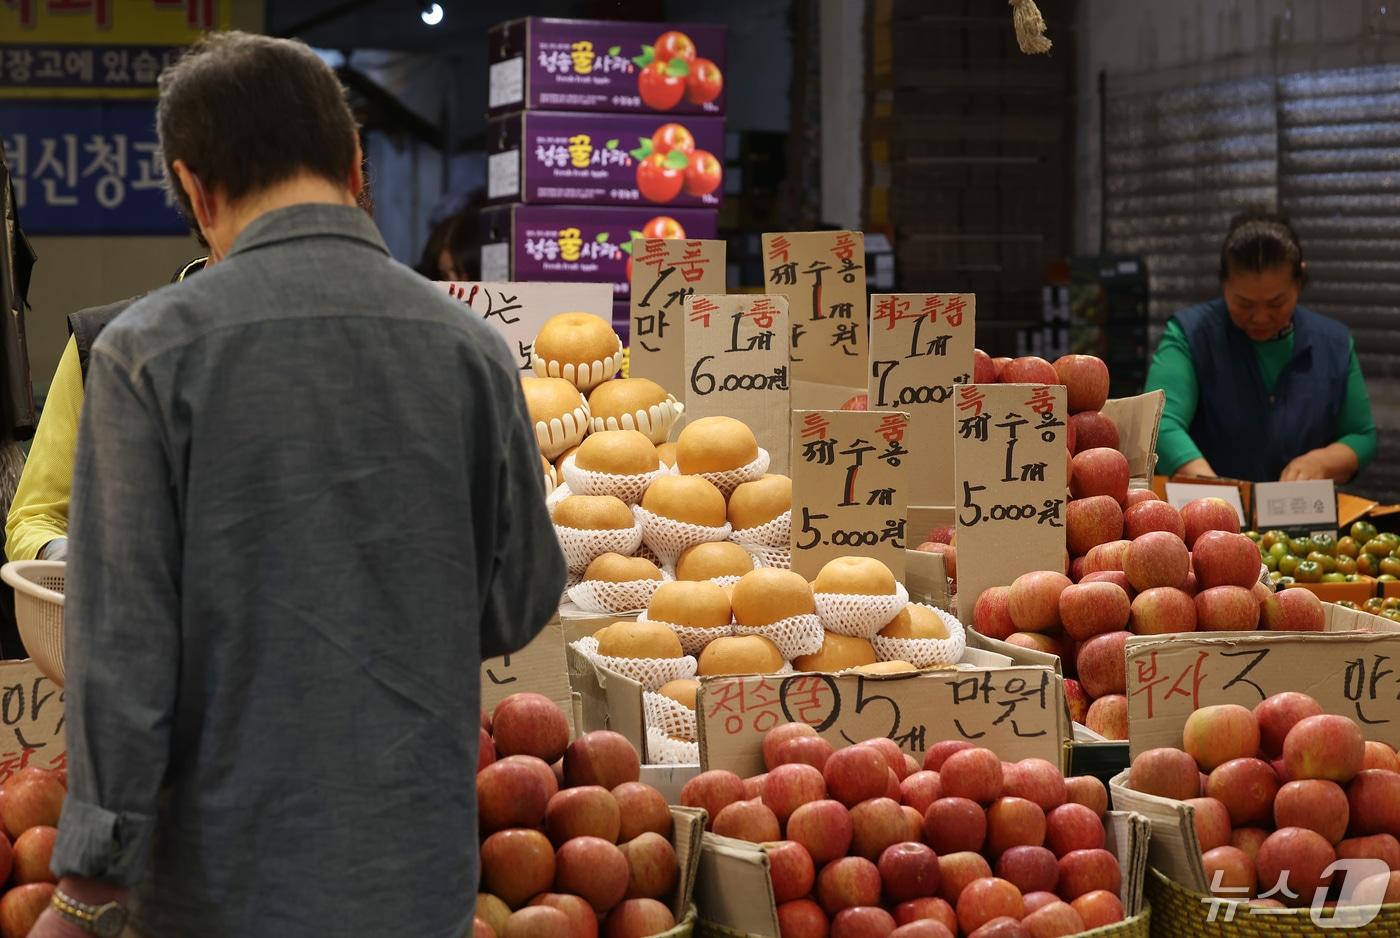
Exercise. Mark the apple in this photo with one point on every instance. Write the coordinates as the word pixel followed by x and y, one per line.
pixel 779 735
pixel 1073 827
pixel 1014 822
pixel 1279 714
pixel 1054 921
pixel 1138 496
pixel 1108 716
pixel 1002 927
pixel 494 912
pixel 1220 558
pixel 956 870
pixel 847 883
pixel 928 909
pixel 920 790
pixel 1153 515
pixel 1166 773
pixel 1078 700
pixel 808 750
pixel 1099 908
pixel 1036 780
pixel 538 921
pixel 908 871
pixel 1035 901
pixel 1000 364
pixel 985 899
pixel 1107 558
pixel 974 774
pixel 1116 577
pixel 1302 854
pixel 1085 378
pixel 1157 558
pixel 1092 521
pixel 862 922
pixel 1036 641
pixel 991 614
pixel 1248 839
pixel 517 864
pixel 753 821
pixel 1029 868
pixel 583 921
pixel 1227 609
pixel 1212 821
pixel 485 751
pixel 802 918
pixel 955 825
pixel 529 724
pixel 1083 871
pixel 21 907
pixel 1315 804
pixel 638 918
pixel 894 756
pixel 1247 788
pixel 32 852
pixel 1088 791
pixel 1380 756
pixel 1214 735
pixel 1383 847
pixel 923 928
pixel 1029 369
pixel 1034 600
pixel 1293 610
pixel 939 752
pixel 1325 746
pixel 876 824
pixel 1093 608
pixel 788 787
pixel 593 869
pixel 601 757
pixel 652 862
pixel 824 828
pixel 1209 514
pixel 1161 610
pixel 714 791
pixel 1076 568
pixel 1101 664
pixel 540 768
pixel 1092 430
pixel 911 765
pixel 588 810
pixel 1374 797
pixel 1380 889
pixel 1100 471
pixel 481 930
pixel 1229 873
pixel 791 869
pixel 507 795
pixel 642 809
pixel 855 774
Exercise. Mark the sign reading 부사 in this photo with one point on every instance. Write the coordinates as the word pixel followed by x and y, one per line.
pixel 1010 464
pixel 822 274
pixel 849 482
pixel 920 347
pixel 736 365
pixel 518 310
pixel 664 273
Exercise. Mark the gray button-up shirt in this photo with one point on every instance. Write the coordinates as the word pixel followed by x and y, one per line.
pixel 307 503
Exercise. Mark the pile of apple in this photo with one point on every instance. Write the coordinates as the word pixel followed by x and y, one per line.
pixel 1284 787
pixel 31 801
pixel 1137 567
pixel 1085 379
pixel 863 842
pixel 573 845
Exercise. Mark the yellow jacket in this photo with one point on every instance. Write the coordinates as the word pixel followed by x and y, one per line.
pixel 39 511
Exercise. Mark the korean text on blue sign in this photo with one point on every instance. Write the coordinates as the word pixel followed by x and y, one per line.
pixel 50 66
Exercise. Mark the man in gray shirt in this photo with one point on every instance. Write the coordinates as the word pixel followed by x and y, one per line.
pixel 306 505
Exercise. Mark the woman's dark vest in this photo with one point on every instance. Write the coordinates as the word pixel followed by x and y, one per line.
pixel 1243 430
pixel 85 325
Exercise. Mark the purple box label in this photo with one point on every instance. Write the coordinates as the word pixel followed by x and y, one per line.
pixel 604 65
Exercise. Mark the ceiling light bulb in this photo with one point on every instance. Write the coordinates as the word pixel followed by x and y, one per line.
pixel 432 14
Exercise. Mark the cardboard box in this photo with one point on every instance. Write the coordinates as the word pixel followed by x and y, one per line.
pixel 1138 420
pixel 538 668
pixel 687 834
pixel 32 720
pixel 578 244
pixel 538 63
pixel 605 159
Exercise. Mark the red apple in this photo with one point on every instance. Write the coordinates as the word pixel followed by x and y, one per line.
pixel 1092 521
pixel 1034 600
pixel 1325 746
pixel 908 871
pixel 491 910
pixel 639 918
pixel 1014 822
pixel 1229 873
pixel 1037 780
pixel 956 870
pixel 1088 791
pixel 642 809
pixel 1099 908
pixel 955 825
pixel 601 757
pixel 32 852
pixel 847 883
pixel 1073 827
pixel 540 768
pixel 983 371
pixel 21 907
pixel 1000 363
pixel 779 735
pixel 1380 756
pixel 1085 378
pixel 940 751
pixel 802 918
pixel 1029 369
pixel 1153 515
pixel 1208 514
pixel 894 756
pixel 586 811
pixel 991 615
pixel 1138 496
pixel 1078 700
pixel 507 795
pixel 920 790
pixel 583 921
pixel 974 774
pixel 1278 714
pixel 651 861
pixel 753 787
pixel 876 824
pixel 1293 610
pixel 824 828
pixel 808 750
pixel 791 869
pixel 1108 716
pixel 1302 854
pixel 862 922
pixel 931 909
pixel 482 930
pixel 1380 889
pixel 1212 821
pixel 1102 668
pixel 753 821
pixel 1100 471
pixel 855 774
pixel 988 898
pixel 530 725
pixel 485 751
pixel 540 921
pixel 1116 577
pixel 517 864
pixel 1029 868
pixel 1374 797
pixel 1107 558
pixel 1157 558
pixel 1035 901
pixel 1083 871
pixel 923 928
pixel 1214 735
pixel 1093 608
pixel 1161 610
pixel 593 869
pixel 1166 773
pixel 1247 788
pixel 1054 921
pixel 1036 641
pixel 1002 927
pixel 714 791
pixel 1220 558
pixel 1315 804
pixel 1248 839
pixel 1227 609
pixel 1383 847
pixel 1092 430
pixel 788 787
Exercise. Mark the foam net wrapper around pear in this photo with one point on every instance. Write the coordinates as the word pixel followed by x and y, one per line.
pixel 775 533
pixel 559 433
pixel 655 421
pixel 561 492
pixel 629 488
pixel 925 652
pixel 602 596
pixel 668 539
pixel 651 673
pixel 668 717
pixel 662 750
pixel 860 616
pixel 586 375
pixel 798 635
pixel 582 547
pixel 693 640
pixel 731 479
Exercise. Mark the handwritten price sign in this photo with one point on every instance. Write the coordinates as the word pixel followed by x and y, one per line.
pixel 664 274
pixel 1356 674
pixel 518 310
pixel 1018 712
pixel 822 274
pixel 1010 462
pixel 31 720
pixel 538 667
pixel 848 487
pixel 920 347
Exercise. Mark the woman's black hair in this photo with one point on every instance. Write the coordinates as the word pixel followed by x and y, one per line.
pixel 1259 241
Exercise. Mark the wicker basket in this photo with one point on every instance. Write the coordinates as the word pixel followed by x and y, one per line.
pixel 685 928
pixel 1136 927
pixel 38 586
pixel 1179 912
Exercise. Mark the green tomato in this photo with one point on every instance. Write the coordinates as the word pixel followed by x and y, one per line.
pixel 1346 603
pixel 1309 571
pixel 1387 578
pixel 1300 546
pixel 1327 563
pixel 1392 614
pixel 1325 544
pixel 1348 546
pixel 1271 538
pixel 1279 550
pixel 1253 535
pixel 1288 564
pixel 1374 604
pixel 1334 578
pixel 1377 547
pixel 1363 531
pixel 1285 581
pixel 1270 562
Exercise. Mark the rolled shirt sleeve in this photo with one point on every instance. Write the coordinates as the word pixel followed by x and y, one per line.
pixel 122 628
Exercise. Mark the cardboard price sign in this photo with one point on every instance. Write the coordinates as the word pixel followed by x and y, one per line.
pixel 31 720
pixel 1010 455
pixel 1355 674
pixel 736 365
pixel 848 487
pixel 538 667
pixel 920 347
pixel 1018 712
pixel 664 273
pixel 822 274
pixel 518 310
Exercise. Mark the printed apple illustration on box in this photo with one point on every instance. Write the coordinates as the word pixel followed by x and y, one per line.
pixel 662 227
pixel 670 70
pixel 668 163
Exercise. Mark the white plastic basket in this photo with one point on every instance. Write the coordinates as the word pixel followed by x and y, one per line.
pixel 38 586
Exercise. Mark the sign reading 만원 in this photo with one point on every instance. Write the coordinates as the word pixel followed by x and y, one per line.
pixel 822 274
pixel 848 487
pixel 1010 463
pixel 920 347
pixel 31 720
pixel 518 310
pixel 736 365
pixel 664 273
pixel 1018 712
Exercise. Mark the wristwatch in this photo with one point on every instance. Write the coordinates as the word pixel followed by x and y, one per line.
pixel 104 921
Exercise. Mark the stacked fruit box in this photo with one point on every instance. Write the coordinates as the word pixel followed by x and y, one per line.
pixel 600 132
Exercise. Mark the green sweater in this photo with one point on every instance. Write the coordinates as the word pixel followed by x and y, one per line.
pixel 1173 371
